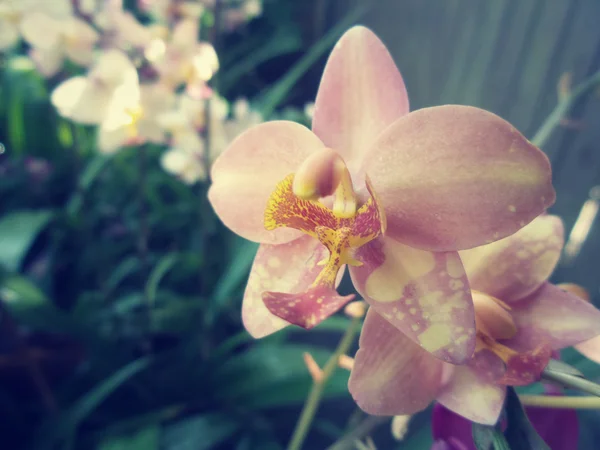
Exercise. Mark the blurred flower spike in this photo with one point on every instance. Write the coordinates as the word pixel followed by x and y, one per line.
pixel 559 428
pixel 520 319
pixel 391 194
pixel 144 84
pixel 13 14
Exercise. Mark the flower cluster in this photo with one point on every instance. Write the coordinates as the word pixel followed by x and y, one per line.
pixel 143 83
pixel 439 215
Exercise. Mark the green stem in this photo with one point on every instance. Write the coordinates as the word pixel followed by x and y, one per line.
pixel 143 239
pixel 562 109
pixel 363 429
pixel 316 392
pixel 561 402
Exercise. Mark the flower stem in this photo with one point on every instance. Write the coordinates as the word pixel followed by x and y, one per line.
pixel 563 402
pixel 562 109
pixel 362 429
pixel 143 238
pixel 316 392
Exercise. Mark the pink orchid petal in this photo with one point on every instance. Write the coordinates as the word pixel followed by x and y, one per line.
pixel 360 94
pixel 514 267
pixel 487 365
pixel 425 295
pixel 517 369
pixel 290 267
pixel 246 174
pixel 455 177
pixel 526 367
pixel 551 316
pixel 472 397
pixel 590 349
pixel 391 374
pixel 306 309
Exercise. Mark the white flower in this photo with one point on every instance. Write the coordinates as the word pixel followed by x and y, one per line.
pixel 134 118
pixel 87 99
pixel 185 60
pixel 54 39
pixel 121 27
pixel 12 12
pixel 186 163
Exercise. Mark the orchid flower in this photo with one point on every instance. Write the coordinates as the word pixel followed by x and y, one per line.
pixel 166 10
pixel 52 40
pixel 122 28
pixel 88 99
pixel 246 11
pixel 187 158
pixel 390 193
pixel 111 96
pixel 520 320
pixel 223 132
pixel 559 428
pixel 133 117
pixel 590 348
pixel 187 61
pixel 12 13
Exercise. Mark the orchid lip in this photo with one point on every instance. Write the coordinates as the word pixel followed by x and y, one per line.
pixel 342 230
pixel 341 235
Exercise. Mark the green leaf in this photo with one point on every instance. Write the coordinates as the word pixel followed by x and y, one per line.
pixel 30 306
pixel 16 121
pixel 280 44
pixel 65 425
pixel 519 432
pixel 561 373
pixel 488 438
pixel 91 172
pixel 202 432
pixel 235 274
pixel 18 230
pixel 268 375
pixel 237 271
pixel 164 265
pixel 334 323
pixel 274 96
pixel 144 439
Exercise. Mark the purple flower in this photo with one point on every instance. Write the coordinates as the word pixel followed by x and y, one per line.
pixel 557 427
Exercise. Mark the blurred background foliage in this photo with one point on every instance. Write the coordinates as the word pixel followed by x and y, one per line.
pixel 120 321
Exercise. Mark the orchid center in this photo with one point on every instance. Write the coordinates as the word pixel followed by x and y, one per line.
pixel 495 326
pixel 299 201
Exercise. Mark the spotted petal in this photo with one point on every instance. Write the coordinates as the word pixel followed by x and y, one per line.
pixel 290 268
pixel 360 94
pixel 554 317
pixel 391 374
pixel 514 267
pixel 245 175
pixel 472 396
pixel 306 309
pixel 455 177
pixel 425 295
pixel 509 367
